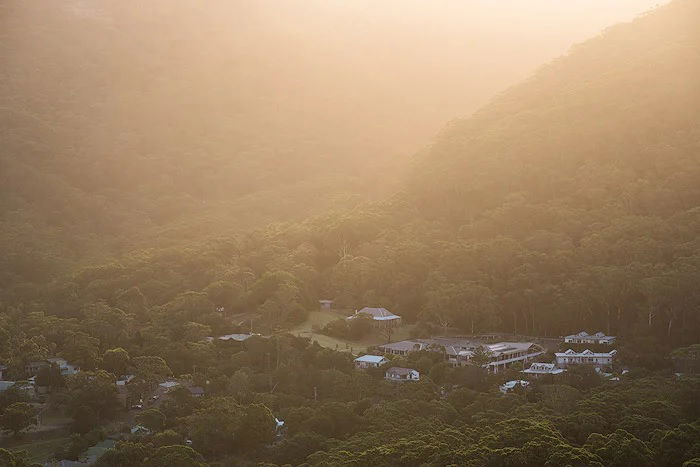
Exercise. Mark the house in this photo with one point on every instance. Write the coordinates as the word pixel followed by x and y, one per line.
pixel 458 351
pixel 196 391
pixel 537 370
pixel 396 373
pixel 584 338
pixel 325 305
pixel 370 361
pixel 236 337
pixel 140 430
pixel 510 385
pixel 168 385
pixel 32 368
pixel 587 357
pixel 381 317
pixel 66 368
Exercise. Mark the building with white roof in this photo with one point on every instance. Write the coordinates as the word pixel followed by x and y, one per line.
pixel 537 370
pixel 459 351
pixel 587 357
pixel 584 338
pixel 396 373
pixel 380 316
pixel 510 385
pixel 370 361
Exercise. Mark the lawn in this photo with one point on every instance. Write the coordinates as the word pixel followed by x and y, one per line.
pixel 321 318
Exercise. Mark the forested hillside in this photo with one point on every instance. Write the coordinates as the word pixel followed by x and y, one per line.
pixel 127 127
pixel 571 201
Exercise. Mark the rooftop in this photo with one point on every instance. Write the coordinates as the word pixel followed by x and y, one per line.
pixel 397 370
pixel 370 358
pixel 379 314
pixel 585 353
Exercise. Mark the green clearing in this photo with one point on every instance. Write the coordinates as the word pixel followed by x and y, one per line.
pixel 321 318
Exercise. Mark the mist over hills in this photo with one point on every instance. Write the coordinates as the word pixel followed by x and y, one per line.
pixel 575 190
pixel 128 127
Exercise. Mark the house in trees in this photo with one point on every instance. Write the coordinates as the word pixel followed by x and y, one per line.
pixel 538 370
pixel 370 361
pixel 32 368
pixel 584 338
pixel 66 368
pixel 381 317
pixel 587 357
pixel 325 305
pixel 511 385
pixel 399 374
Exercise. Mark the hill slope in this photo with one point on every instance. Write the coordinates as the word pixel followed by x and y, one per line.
pixel 124 127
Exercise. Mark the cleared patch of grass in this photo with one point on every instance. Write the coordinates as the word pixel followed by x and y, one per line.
pixel 321 318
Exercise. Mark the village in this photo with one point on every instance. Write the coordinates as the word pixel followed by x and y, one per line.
pixel 513 362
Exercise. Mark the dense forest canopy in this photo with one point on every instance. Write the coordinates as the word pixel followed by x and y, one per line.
pixel 125 127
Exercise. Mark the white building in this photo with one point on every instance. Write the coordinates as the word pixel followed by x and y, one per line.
pixel 396 373
pixel 380 316
pixel 584 338
pixel 587 357
pixel 541 369
pixel 370 361
pixel 510 385
pixel 66 368
pixel 459 351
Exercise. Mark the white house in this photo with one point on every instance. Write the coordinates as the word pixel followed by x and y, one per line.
pixel 370 361
pixel 325 305
pixel 396 373
pixel 541 369
pixel 584 338
pixel 381 317
pixel 587 357
pixel 510 385
pixel 66 368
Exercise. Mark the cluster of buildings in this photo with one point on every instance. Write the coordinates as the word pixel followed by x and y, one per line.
pixel 32 369
pixel 495 357
pixel 459 351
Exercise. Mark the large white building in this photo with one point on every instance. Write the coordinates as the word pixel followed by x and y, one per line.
pixel 542 369
pixel 587 357
pixel 459 351
pixel 584 338
pixel 380 316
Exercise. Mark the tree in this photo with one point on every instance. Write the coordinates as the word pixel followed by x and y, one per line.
pixel 17 417
pixel 153 419
pixel 481 356
pixel 175 456
pixel 115 361
pixel 15 459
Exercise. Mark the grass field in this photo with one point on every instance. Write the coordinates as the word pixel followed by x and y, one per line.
pixel 321 318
